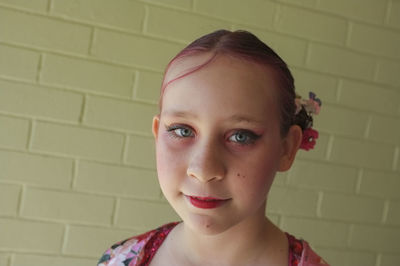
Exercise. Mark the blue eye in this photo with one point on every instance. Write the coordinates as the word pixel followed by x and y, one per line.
pixel 180 131
pixel 244 137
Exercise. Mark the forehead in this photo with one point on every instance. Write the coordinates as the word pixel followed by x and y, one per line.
pixel 236 84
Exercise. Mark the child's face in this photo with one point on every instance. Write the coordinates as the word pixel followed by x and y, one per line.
pixel 218 136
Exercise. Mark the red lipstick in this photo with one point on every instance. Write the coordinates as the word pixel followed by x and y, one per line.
pixel 206 202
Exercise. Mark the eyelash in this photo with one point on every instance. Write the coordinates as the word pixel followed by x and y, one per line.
pixel 251 137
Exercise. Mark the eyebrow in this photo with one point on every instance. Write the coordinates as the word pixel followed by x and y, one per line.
pixel 234 118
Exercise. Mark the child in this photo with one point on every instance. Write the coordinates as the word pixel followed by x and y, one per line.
pixel 229 120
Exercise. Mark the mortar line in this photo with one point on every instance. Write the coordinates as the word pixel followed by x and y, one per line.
pixel 21 200
pixel 92 40
pixel 74 177
pixel 114 216
pixel 49 6
pixel 348 34
pixel 145 19
pixel 319 204
pixel 39 68
pixel 360 174
pixel 385 212
pixel 83 109
pixel 125 149
pixel 64 239
pixel 135 83
pixel 32 127
pixel 387 13
pixel 396 159
pixel 378 261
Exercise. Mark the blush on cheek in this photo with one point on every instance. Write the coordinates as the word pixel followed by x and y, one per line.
pixel 174 143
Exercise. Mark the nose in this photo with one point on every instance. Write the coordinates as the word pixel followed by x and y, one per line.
pixel 206 162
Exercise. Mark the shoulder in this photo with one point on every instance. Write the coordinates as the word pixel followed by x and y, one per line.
pixel 301 254
pixel 136 249
pixel 310 258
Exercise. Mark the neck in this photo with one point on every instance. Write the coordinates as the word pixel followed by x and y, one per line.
pixel 241 244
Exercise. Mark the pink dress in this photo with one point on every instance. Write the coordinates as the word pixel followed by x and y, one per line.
pixel 139 250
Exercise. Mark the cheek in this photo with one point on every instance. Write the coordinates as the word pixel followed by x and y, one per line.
pixel 170 164
pixel 253 179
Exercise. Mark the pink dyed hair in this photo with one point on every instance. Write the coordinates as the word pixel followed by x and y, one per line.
pixel 244 45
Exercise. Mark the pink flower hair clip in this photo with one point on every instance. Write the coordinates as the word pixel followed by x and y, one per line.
pixel 305 109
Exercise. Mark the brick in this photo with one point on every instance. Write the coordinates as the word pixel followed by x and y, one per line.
pixel 291 201
pixel 37 101
pixel 388 72
pixel 32 236
pixel 40 260
pixel 372 97
pixel 343 121
pixel 347 257
pixel 123 14
pixel 319 151
pixel 92 241
pixel 18 63
pixel 367 10
pixel 58 205
pixel 148 85
pixel 324 86
pixel 134 50
pixel 37 169
pixel 87 75
pixel 117 180
pixel 181 26
pixel 341 62
pixel 380 184
pixel 393 14
pixel 283 45
pixel 141 152
pixel 323 176
pixel 309 3
pixel 273 218
pixel 317 232
pixel 43 32
pixel 281 178
pixel 389 259
pixel 385 129
pixel 38 5
pixel 78 141
pixel 185 4
pixel 351 208
pixel 393 216
pixel 311 25
pixel 125 115
pixel 362 153
pixel 143 215
pixel 375 238
pixel 9 198
pixel 255 12
pixel 4 259
pixel 384 42
pixel 13 132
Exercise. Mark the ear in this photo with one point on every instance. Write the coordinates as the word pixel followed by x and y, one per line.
pixel 291 144
pixel 155 126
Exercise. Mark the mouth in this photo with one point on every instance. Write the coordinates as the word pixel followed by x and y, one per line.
pixel 206 202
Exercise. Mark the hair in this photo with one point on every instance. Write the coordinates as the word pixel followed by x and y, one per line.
pixel 244 45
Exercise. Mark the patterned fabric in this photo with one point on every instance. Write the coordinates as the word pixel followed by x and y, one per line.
pixel 139 250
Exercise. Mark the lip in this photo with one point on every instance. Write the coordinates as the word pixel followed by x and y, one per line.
pixel 206 202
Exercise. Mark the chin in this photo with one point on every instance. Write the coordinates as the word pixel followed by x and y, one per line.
pixel 206 224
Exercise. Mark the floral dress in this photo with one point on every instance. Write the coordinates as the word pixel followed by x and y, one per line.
pixel 139 250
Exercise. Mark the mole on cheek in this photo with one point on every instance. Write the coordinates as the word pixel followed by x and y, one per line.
pixel 238 175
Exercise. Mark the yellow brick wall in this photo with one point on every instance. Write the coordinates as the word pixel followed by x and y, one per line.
pixel 79 82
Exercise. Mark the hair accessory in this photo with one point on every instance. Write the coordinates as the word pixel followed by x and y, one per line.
pixel 305 109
